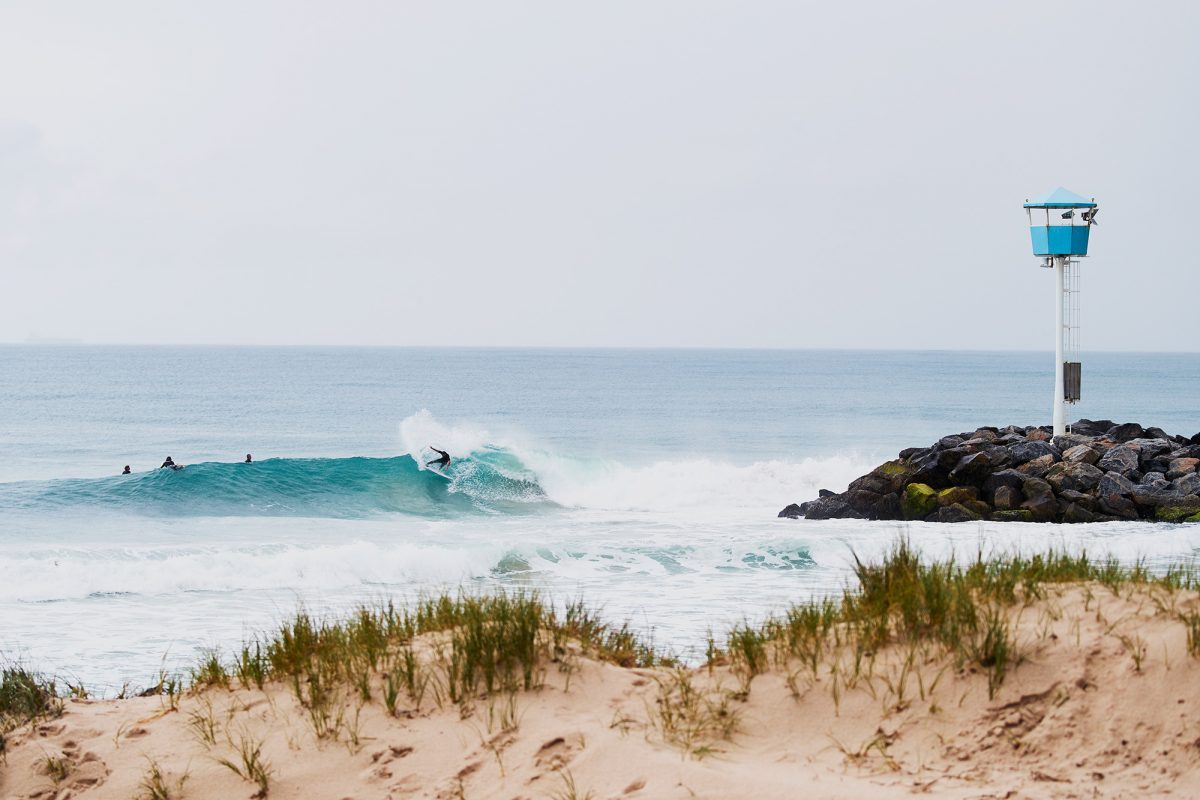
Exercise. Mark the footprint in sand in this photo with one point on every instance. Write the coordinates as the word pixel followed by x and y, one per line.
pixel 554 754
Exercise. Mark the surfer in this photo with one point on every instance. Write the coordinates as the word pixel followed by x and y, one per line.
pixel 126 471
pixel 248 459
pixel 168 464
pixel 442 462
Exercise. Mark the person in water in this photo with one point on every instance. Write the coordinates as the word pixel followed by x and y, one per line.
pixel 248 459
pixel 168 464
pixel 126 470
pixel 442 462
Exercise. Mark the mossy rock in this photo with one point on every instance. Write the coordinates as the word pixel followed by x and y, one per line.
pixel 918 501
pixel 1186 513
pixel 1015 515
pixel 957 494
pixel 893 469
pixel 979 507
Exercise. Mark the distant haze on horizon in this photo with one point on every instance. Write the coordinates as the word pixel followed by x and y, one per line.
pixel 698 174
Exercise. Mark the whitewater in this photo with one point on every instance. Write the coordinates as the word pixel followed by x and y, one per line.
pixel 645 482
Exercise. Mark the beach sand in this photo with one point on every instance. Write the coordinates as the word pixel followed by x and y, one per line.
pixel 1105 702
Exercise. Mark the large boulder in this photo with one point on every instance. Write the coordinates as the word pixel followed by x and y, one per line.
pixel 1077 513
pixel 1036 487
pixel 1088 427
pixel 831 508
pixel 1187 484
pixel 862 501
pixel 1150 449
pixel 948 459
pixel 928 470
pixel 1027 451
pixel 1154 479
pixel 956 512
pixel 1066 441
pixel 1043 507
pixel 887 477
pixel 1007 498
pixel 1005 477
pixel 1118 505
pixel 1156 433
pixel 1126 432
pixel 889 507
pixel 957 494
pixel 1149 498
pixel 1080 499
pixel 1037 467
pixel 1178 467
pixel 1121 459
pixel 792 511
pixel 918 501
pixel 1080 454
pixel 1076 477
pixel 998 455
pixel 1115 483
pixel 869 483
pixel 972 468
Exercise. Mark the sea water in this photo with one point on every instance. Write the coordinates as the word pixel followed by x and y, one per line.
pixel 646 482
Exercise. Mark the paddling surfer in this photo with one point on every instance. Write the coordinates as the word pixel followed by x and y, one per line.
pixel 442 462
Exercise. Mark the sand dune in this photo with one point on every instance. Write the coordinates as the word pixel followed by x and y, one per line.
pixel 1104 703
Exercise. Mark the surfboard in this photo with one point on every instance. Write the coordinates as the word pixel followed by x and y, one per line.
pixel 438 472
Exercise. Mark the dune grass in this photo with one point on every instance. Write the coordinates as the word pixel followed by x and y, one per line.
pixel 906 601
pixel 445 649
pixel 25 696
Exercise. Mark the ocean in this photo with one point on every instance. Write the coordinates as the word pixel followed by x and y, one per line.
pixel 645 482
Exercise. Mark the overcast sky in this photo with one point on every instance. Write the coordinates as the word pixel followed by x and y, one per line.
pixel 735 174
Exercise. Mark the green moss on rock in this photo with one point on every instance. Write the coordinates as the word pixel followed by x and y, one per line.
pixel 894 469
pixel 957 494
pixel 1014 515
pixel 1176 513
pixel 918 501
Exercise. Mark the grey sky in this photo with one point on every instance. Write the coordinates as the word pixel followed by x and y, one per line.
pixel 616 173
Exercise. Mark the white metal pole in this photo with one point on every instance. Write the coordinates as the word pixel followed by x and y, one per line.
pixel 1060 425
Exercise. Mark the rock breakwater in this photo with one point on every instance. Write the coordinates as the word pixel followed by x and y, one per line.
pixel 1101 471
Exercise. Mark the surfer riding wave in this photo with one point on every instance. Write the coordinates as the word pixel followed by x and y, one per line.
pixel 442 462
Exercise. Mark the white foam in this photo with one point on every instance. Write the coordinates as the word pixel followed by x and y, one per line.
pixel 421 431
pixel 664 485
pixel 77 573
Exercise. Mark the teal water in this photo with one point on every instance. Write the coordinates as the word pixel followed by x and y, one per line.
pixel 647 481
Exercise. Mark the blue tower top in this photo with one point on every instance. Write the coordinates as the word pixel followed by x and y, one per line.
pixel 1061 198
pixel 1056 228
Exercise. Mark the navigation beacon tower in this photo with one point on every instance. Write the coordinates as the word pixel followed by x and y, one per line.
pixel 1059 224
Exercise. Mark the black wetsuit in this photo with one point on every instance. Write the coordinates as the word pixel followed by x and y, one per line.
pixel 442 462
pixel 168 463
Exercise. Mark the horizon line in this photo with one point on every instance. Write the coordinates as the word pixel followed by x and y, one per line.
pixel 67 344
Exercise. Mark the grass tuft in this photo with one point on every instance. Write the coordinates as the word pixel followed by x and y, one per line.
pixel 26 696
pixel 960 607
pixel 155 786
